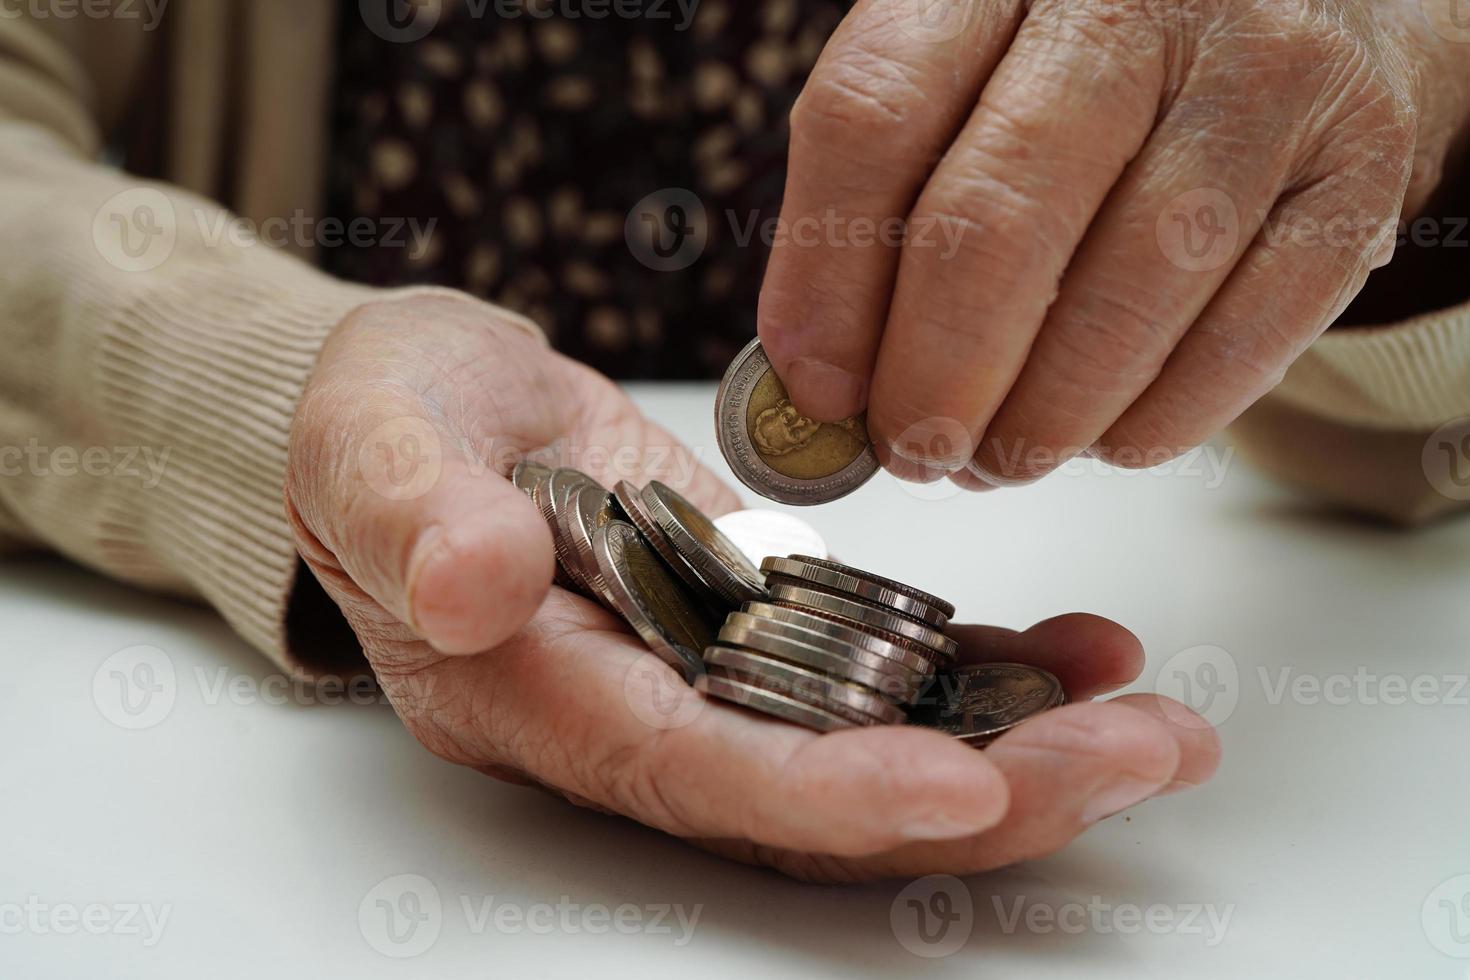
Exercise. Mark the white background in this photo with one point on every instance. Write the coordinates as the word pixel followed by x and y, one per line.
pixel 1332 836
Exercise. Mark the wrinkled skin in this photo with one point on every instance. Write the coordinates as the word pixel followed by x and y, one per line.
pixel 1088 152
pixel 447 582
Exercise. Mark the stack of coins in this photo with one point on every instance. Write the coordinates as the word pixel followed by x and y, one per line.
pixel 834 647
pixel 803 639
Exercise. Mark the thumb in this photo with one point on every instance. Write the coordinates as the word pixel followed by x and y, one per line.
pixel 443 543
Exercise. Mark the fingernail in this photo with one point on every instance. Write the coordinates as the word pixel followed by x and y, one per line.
pixel 942 826
pixel 1117 796
pixel 827 392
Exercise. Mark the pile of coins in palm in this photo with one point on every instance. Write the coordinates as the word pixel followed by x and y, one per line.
pixel 802 639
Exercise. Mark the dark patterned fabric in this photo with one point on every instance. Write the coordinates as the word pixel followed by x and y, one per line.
pixel 528 139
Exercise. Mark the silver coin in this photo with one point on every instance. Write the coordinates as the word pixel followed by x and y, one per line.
pixel 719 564
pixel 830 576
pixel 824 656
pixel 736 691
pixel 865 647
pixel 552 496
pixel 529 476
pixel 849 701
pixel 588 510
pixel 776 451
pixel 762 533
pixel 981 702
pixel 881 588
pixel 926 641
pixel 630 501
pixel 559 488
pixel 658 607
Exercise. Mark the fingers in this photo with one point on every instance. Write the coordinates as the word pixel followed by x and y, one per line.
pixel 460 556
pixel 588 711
pixel 1313 258
pixel 1167 239
pixel 1088 654
pixel 1023 180
pixel 881 106
pixel 1199 744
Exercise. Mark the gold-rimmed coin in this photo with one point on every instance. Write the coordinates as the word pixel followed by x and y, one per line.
pixel 630 500
pixel 979 703
pixel 719 564
pixel 659 608
pixel 778 452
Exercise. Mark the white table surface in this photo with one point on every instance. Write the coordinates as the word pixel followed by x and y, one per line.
pixel 1332 838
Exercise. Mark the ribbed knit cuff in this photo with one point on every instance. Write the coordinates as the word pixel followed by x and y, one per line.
pixel 1413 376
pixel 208 367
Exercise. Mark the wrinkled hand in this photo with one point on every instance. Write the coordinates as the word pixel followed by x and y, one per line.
pixel 396 488
pixel 1126 218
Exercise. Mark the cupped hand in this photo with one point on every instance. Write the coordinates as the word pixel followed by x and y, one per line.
pixel 398 493
pixel 1124 218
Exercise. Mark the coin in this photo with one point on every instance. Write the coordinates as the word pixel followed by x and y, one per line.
pixel 981 702
pixel 882 589
pixel 528 476
pixel 926 641
pixel 719 564
pixel 736 691
pixel 588 510
pixel 558 491
pixel 630 500
pixel 831 577
pixel 775 450
pixel 864 647
pixel 658 607
pixel 762 533
pixel 811 651
pixel 856 704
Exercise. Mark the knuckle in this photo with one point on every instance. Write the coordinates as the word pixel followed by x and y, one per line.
pixel 1111 339
pixel 853 100
pixel 1002 231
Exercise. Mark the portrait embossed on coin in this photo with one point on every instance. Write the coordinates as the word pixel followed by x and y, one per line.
pixel 778 452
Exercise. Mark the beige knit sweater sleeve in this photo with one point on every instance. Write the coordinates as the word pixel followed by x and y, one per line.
pixel 149 367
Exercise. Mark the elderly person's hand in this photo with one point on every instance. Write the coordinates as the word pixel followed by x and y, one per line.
pixel 397 491
pixel 1126 218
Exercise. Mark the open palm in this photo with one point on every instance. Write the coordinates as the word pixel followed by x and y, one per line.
pixel 398 494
